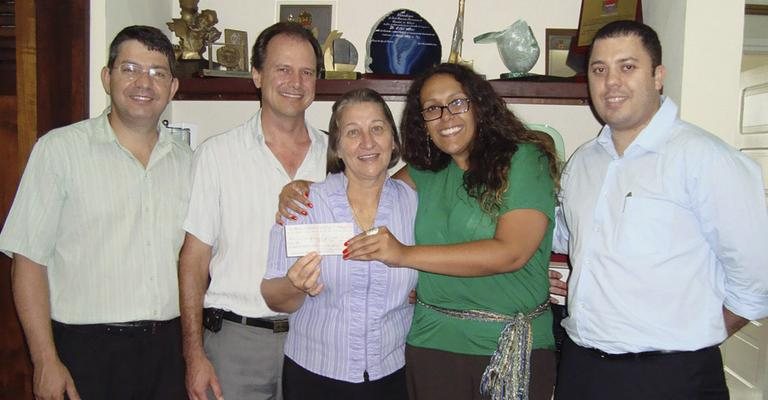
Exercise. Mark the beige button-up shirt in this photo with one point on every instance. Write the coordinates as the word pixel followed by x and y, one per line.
pixel 107 229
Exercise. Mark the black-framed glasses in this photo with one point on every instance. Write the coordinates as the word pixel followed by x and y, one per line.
pixel 457 106
pixel 133 71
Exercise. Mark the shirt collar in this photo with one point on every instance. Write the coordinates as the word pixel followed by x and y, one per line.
pixel 106 134
pixel 254 125
pixel 653 137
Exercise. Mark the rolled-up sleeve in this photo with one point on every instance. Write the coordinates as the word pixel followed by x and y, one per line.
pixel 730 202
pixel 277 262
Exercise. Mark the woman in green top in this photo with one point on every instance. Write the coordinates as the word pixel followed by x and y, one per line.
pixel 483 240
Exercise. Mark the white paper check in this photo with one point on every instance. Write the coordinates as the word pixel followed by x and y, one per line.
pixel 325 239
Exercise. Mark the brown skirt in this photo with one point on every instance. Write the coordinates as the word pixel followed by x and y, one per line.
pixel 436 374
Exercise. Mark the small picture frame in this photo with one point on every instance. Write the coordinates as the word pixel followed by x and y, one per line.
pixel 317 16
pixel 558 45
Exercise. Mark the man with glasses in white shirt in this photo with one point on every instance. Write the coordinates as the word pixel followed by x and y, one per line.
pixel 95 232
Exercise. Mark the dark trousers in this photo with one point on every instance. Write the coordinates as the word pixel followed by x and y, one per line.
pixel 441 375
pixel 586 375
pixel 302 384
pixel 559 313
pixel 123 364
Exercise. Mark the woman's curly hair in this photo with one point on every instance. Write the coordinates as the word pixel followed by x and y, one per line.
pixel 498 134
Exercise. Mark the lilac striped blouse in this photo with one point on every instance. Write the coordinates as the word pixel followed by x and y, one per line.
pixel 359 321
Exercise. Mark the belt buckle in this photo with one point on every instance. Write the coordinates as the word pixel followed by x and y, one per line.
pixel 279 325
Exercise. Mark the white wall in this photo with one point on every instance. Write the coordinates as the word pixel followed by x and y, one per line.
pixel 667 17
pixel 714 31
pixel 701 40
pixel 355 19
pixel 107 18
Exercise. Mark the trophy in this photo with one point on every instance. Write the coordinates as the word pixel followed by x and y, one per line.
pixel 340 57
pixel 458 36
pixel 195 31
pixel 517 46
pixel 231 56
pixel 402 43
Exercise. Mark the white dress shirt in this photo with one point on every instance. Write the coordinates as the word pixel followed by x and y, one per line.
pixel 235 189
pixel 662 238
pixel 107 229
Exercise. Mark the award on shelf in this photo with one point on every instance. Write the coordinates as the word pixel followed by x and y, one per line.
pixel 403 43
pixel 340 57
pixel 231 56
pixel 458 36
pixel 195 30
pixel 517 46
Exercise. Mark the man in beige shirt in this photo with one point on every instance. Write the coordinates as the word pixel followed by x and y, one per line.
pixel 95 231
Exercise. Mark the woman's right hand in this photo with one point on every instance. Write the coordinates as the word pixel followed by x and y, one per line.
pixel 293 199
pixel 304 274
pixel 557 286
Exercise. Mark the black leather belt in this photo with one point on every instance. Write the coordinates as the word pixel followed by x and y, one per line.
pixel 277 325
pixel 120 328
pixel 644 354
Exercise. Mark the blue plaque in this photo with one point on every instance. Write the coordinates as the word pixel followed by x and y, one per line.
pixel 403 43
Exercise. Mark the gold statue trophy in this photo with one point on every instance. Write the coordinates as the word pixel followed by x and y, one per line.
pixel 195 30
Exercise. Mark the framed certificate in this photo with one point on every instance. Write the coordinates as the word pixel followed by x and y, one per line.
pixel 316 16
pixel 595 14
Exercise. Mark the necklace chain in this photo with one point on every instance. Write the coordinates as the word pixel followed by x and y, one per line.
pixel 357 220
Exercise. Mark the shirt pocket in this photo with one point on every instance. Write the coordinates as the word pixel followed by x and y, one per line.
pixel 646 227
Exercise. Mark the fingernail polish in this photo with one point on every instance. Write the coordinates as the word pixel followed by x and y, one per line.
pixel 293 217
pixel 346 244
pixel 303 212
pixel 345 251
pixel 309 205
pixel 306 194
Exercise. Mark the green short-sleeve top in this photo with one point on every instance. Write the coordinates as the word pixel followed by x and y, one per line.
pixel 448 215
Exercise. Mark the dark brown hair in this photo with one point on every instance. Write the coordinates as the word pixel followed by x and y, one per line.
pixel 647 35
pixel 499 132
pixel 291 29
pixel 151 37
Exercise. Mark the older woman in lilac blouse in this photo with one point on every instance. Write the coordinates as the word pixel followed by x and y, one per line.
pixel 348 319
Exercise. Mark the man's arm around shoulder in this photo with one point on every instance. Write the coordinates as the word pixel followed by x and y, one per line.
pixel 32 297
pixel 193 282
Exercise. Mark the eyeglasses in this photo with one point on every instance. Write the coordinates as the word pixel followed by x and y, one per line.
pixel 133 71
pixel 458 106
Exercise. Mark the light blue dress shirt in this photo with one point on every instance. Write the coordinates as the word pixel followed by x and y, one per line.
pixel 662 238
pixel 359 321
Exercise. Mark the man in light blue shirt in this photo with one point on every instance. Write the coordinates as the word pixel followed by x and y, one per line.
pixel 665 225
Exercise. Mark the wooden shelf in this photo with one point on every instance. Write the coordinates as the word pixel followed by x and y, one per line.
pixel 392 89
